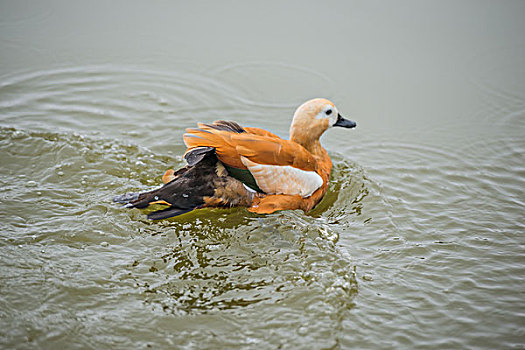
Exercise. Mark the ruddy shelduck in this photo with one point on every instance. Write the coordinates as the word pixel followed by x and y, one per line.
pixel 230 165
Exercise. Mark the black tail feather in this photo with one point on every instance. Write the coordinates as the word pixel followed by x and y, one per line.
pixel 226 125
pixel 196 155
pixel 190 188
pixel 144 199
pixel 126 198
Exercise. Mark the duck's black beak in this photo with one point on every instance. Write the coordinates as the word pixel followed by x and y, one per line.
pixel 345 123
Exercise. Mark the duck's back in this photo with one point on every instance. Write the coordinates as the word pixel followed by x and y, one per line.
pixel 278 166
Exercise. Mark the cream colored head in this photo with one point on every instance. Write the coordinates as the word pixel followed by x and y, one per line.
pixel 313 118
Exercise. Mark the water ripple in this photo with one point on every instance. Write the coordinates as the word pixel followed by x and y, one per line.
pixel 421 244
pixel 208 263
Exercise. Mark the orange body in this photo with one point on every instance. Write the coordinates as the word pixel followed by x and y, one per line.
pixel 262 147
pixel 264 154
pixel 229 165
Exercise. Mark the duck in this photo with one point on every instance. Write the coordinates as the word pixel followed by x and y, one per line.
pixel 233 166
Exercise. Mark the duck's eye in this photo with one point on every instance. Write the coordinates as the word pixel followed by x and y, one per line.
pixel 328 112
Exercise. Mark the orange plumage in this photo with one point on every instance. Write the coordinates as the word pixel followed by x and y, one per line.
pixel 303 151
pixel 288 174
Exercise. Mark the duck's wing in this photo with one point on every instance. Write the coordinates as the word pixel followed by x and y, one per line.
pixel 231 142
pixel 203 184
pixel 260 132
pixel 278 166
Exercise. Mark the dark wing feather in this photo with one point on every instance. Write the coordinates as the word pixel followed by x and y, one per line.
pixel 196 155
pixel 225 125
pixel 243 176
pixel 184 193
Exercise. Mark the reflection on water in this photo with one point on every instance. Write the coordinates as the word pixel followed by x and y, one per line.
pixel 418 242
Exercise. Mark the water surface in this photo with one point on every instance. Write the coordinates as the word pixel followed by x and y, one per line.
pixel 418 243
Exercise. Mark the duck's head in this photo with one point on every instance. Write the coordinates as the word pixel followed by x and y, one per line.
pixel 313 118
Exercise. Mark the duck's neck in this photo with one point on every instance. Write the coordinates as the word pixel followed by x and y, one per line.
pixel 312 145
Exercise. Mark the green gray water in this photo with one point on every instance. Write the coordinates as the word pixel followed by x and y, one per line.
pixel 418 244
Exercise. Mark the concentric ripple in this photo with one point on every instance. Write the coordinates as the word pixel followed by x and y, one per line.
pixel 97 264
pixel 413 241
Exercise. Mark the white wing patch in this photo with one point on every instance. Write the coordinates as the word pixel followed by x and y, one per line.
pixel 284 179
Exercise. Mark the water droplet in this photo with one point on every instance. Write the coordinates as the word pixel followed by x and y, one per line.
pixel 156 198
pixel 185 195
pixel 17 134
pixel 367 277
pixel 302 331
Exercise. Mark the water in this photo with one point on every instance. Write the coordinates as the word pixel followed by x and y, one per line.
pixel 418 243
